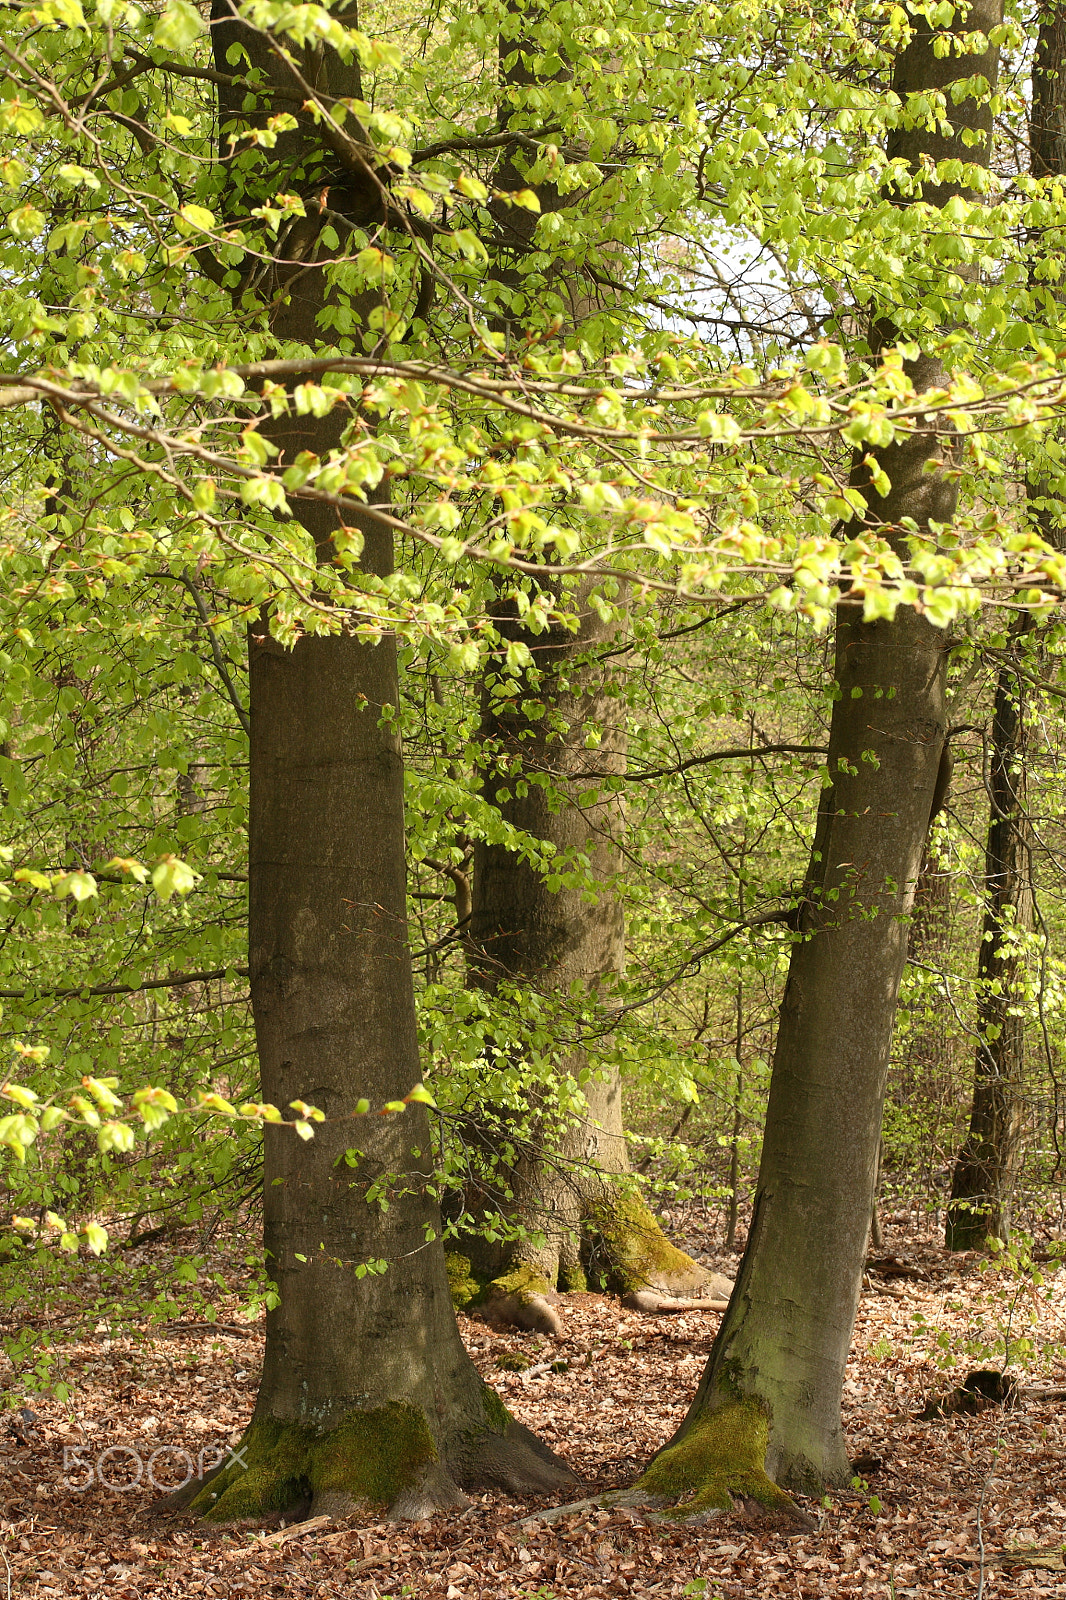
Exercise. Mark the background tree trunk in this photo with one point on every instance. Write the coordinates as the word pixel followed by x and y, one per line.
pixel 579 1213
pixel 567 1190
pixel 987 1167
pixel 767 1411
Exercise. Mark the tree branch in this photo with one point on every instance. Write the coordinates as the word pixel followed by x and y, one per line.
pixel 764 920
pixel 741 753
pixel 216 651
pixel 104 989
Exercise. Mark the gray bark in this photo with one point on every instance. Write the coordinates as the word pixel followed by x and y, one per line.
pixel 537 769
pixel 783 1343
pixel 988 1164
pixel 367 1395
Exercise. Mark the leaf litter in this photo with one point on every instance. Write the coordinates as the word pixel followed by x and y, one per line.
pixel 942 1507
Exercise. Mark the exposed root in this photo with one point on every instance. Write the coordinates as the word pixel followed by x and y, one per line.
pixel 632 1498
pixel 978 1391
pixel 653 1304
pixel 530 1312
pixel 630 1251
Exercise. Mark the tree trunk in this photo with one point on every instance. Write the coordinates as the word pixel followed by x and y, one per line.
pixel 766 1415
pixel 568 1191
pixel 368 1397
pixel 986 1171
pixel 923 1083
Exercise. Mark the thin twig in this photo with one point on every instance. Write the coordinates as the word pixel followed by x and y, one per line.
pixel 216 651
pixel 105 989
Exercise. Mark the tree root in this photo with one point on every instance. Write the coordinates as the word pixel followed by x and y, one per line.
pixel 529 1311
pixel 978 1391
pixel 598 1502
pixel 652 1304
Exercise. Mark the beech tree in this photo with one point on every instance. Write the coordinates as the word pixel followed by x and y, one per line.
pixel 986 1171
pixel 367 1394
pixel 550 739
pixel 766 1416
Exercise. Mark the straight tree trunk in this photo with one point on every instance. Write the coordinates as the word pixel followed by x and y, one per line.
pixel 368 1397
pixel 567 1191
pixel 924 1083
pixel 987 1167
pixel 574 1210
pixel 766 1416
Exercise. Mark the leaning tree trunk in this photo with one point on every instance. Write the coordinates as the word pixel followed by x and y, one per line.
pixel 574 1211
pixel 766 1415
pixel 368 1397
pixel 986 1171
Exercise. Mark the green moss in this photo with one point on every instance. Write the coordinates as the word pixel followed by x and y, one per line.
pixel 637 1254
pixel 374 1454
pixel 371 1455
pixel 522 1282
pixel 496 1413
pixel 268 1474
pixel 461 1281
pixel 719 1458
pixel 513 1361
pixel 572 1279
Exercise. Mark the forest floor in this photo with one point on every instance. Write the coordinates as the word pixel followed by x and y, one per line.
pixel 70 1524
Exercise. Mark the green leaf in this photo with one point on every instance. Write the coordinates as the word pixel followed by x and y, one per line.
pixel 173 876
pixel 79 885
pixel 27 222
pixel 22 1096
pixel 198 218
pixel 179 27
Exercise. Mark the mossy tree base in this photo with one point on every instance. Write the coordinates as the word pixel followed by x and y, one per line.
pixel 717 1464
pixel 622 1244
pixel 517 1299
pixel 627 1249
pixel 371 1459
pixel 379 1461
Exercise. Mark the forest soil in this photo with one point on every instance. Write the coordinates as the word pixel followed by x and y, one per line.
pixel 624 1389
